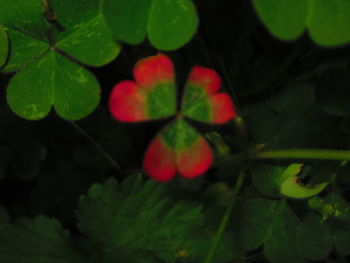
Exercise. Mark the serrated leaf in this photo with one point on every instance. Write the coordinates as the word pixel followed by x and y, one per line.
pixel 314 240
pixel 171 23
pixel 273 224
pixel 202 100
pixel 137 216
pixel 40 240
pixel 328 22
pixel 177 148
pixel 4 46
pixel 55 81
pixel 151 96
pixel 127 19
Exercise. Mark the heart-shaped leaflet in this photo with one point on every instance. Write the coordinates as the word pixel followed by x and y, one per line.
pixel 152 96
pixel 201 100
pixel 177 148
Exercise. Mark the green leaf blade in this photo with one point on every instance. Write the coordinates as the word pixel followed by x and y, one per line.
pixel 329 22
pixel 4 46
pixel 40 240
pixel 77 91
pixel 273 224
pixel 127 19
pixel 53 80
pixel 90 38
pixel 171 23
pixel 27 93
pixel 283 18
pixel 27 17
pixel 314 240
pixel 139 216
pixel 24 49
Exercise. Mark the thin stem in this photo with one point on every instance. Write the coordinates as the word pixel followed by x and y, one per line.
pixel 337 155
pixel 225 219
pixel 97 145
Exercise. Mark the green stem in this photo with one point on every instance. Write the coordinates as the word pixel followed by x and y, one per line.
pixel 337 155
pixel 225 219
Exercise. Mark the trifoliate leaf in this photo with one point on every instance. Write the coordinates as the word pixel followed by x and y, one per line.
pixel 177 148
pixel 39 240
pixel 137 217
pixel 151 96
pixel 69 29
pixel 201 99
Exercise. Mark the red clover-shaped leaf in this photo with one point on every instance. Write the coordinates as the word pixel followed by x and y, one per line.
pixel 178 148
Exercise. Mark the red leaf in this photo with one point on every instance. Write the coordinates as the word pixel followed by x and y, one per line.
pixel 202 101
pixel 150 71
pixel 128 101
pixel 160 161
pixel 222 108
pixel 206 78
pixel 195 160
pixel 163 159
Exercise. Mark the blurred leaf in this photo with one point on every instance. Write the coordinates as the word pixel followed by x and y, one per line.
pixel 314 240
pixel 328 22
pixel 4 46
pixel 268 178
pixel 169 24
pixel 4 216
pixel 291 119
pixel 53 80
pixel 341 242
pixel 273 224
pixel 137 216
pixel 332 91
pixel 37 240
